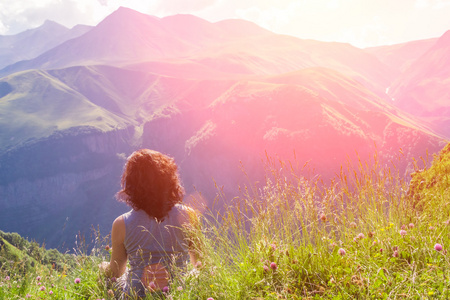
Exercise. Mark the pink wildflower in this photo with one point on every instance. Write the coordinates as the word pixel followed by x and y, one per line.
pixel 77 280
pixel 210 298
pixel 411 225
pixel 353 225
pixel 42 288
pixel 266 268
pixel 38 278
pixel 107 248
pixel 438 247
pixel 403 227
pixel 50 293
pixel 28 296
pixel 274 247
pixel 7 278
pixel 341 251
pixel 165 289
pixel 403 232
pixel 152 286
pixel 180 288
pixel 273 266
pixel 198 265
pixel 360 236
pixel 323 217
pixel 395 254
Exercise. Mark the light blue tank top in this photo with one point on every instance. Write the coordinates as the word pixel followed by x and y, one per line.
pixel 148 242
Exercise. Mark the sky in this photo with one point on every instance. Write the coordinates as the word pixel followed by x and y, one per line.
pixel 362 23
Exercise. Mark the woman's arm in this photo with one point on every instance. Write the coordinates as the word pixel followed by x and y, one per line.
pixel 116 267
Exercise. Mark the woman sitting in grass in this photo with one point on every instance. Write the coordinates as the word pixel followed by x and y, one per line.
pixel 153 235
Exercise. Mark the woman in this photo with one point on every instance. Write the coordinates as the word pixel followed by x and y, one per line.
pixel 152 236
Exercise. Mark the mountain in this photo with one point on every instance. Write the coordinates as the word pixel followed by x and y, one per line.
pixel 218 97
pixel 128 37
pixel 32 43
pixel 423 89
pixel 400 56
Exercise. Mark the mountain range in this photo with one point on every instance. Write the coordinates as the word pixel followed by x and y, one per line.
pixel 218 97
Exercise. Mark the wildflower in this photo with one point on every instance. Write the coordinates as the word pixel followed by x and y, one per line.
pixel 42 288
pixel 77 280
pixel 395 254
pixel 107 248
pixel 323 217
pixel 403 232
pixel 374 242
pixel 395 248
pixel 355 239
pixel 381 250
pixel 411 225
pixel 353 225
pixel 210 298
pixel 180 288
pixel 50 293
pixel 38 278
pixel 198 265
pixel 438 247
pixel 7 278
pixel 152 286
pixel 165 289
pixel 341 251
pixel 371 234
pixel 360 236
pixel 431 228
pixel 110 293
pixel 28 296
pixel 274 247
pixel 113 279
pixel 403 227
pixel 273 266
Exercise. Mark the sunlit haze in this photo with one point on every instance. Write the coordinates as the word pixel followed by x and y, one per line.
pixel 361 23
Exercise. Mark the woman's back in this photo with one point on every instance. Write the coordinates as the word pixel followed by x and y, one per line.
pixel 153 246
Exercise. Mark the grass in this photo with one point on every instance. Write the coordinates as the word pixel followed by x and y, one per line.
pixel 366 234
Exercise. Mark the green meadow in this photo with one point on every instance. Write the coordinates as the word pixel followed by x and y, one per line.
pixel 369 233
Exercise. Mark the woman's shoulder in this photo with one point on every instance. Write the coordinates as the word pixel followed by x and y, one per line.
pixel 184 213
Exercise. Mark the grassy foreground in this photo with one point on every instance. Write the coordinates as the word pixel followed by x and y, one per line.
pixel 367 234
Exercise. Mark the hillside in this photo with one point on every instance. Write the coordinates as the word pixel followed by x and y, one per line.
pixel 423 89
pixel 218 97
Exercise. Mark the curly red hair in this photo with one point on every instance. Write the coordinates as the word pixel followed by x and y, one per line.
pixel 150 182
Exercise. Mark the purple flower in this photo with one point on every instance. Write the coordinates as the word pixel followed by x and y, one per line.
pixel 274 247
pixel 273 266
pixel 411 225
pixel 77 280
pixel 51 292
pixel 323 217
pixel 210 298
pixel 360 236
pixel 403 232
pixel 42 288
pixel 165 289
pixel 152 286
pixel 341 251
pixel 180 288
pixel 438 247
pixel 28 296
pixel 7 278
pixel 38 278
pixel 266 268
pixel 113 279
